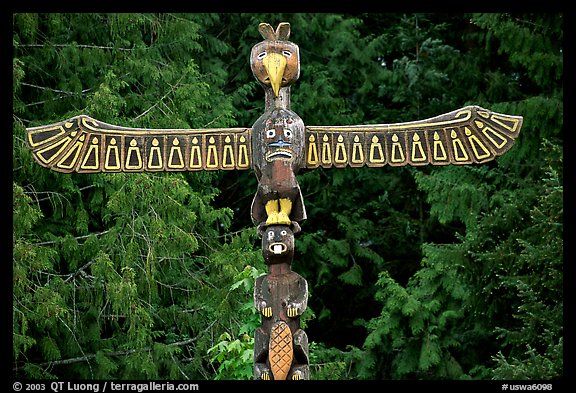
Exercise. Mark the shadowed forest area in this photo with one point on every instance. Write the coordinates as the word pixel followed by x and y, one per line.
pixel 414 273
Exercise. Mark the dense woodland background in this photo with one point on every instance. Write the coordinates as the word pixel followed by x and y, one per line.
pixel 414 273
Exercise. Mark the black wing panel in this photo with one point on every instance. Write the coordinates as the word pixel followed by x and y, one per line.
pixel 85 145
pixel 468 135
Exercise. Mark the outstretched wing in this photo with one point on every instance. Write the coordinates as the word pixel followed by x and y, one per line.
pixel 85 145
pixel 468 135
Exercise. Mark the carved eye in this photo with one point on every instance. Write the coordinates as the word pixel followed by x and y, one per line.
pixel 287 53
pixel 270 235
pixel 262 55
pixel 283 233
pixel 271 133
pixel 288 133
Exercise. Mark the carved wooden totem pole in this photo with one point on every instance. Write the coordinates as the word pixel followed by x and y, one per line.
pixel 276 147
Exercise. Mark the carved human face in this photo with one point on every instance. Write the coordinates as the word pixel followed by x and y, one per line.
pixel 278 140
pixel 278 136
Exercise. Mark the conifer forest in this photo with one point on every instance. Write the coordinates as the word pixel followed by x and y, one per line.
pixel 414 273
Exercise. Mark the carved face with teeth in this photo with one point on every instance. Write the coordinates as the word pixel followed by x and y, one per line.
pixel 277 244
pixel 278 136
pixel 279 143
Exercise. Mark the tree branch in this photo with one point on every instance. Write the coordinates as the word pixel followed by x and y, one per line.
pixel 77 238
pixel 171 90
pixel 54 90
pixel 114 354
pixel 79 46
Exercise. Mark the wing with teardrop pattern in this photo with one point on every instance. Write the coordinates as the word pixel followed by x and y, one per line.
pixel 465 136
pixel 85 145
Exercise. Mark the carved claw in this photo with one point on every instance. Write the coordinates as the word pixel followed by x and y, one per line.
pixel 272 208
pixel 282 219
pixel 273 218
pixel 292 312
pixel 265 376
pixel 284 213
pixel 267 312
pixel 297 376
pixel 278 211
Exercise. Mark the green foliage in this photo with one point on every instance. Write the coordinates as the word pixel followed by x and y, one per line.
pixel 118 276
pixel 234 358
pixel 328 363
pixel 534 42
pixel 487 304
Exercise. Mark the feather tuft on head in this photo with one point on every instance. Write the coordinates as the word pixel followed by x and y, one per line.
pixel 282 32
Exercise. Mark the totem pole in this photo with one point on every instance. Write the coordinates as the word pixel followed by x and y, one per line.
pixel 280 346
pixel 276 147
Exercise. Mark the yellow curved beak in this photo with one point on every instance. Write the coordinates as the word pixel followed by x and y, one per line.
pixel 275 64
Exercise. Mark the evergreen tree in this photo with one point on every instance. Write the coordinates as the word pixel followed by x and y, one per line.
pixel 488 304
pixel 119 275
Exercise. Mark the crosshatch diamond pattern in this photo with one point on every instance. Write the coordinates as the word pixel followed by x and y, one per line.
pixel 281 352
